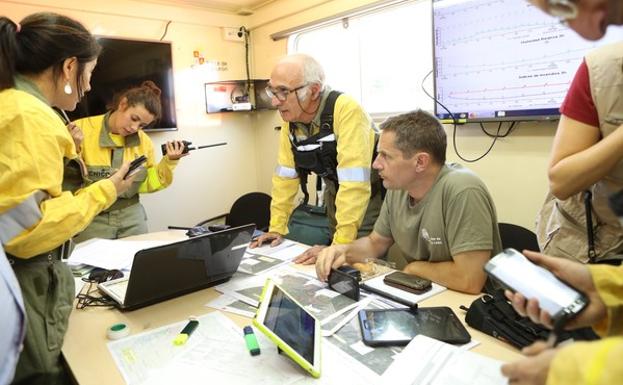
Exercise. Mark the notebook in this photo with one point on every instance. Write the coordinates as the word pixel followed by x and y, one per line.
pixel 168 271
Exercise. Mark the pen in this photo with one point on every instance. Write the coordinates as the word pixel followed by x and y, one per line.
pixel 387 295
pixel 249 338
pixel 186 332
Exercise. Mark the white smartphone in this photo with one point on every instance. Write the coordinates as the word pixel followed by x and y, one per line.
pixel 519 274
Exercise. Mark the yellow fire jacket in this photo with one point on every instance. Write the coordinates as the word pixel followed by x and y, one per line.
pixel 36 216
pixel 599 362
pixel 99 144
pixel 354 134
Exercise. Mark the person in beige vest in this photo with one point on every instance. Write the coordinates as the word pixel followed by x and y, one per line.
pixel 586 164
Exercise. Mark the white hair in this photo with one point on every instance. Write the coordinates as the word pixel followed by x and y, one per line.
pixel 312 70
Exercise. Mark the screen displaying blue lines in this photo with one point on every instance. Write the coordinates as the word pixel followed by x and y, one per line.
pixel 503 59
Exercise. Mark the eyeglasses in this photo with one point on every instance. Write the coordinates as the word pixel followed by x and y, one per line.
pixel 281 93
pixel 564 10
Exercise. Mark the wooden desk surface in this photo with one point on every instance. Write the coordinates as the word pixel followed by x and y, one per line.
pixel 85 342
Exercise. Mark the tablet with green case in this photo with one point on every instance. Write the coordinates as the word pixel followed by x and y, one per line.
pixel 292 328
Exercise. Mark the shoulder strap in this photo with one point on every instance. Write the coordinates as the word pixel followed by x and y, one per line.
pixel 326 117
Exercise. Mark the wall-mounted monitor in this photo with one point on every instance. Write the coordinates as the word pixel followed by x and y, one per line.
pixel 127 63
pixel 232 95
pixel 498 60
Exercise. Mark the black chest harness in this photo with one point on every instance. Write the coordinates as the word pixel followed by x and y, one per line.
pixel 318 153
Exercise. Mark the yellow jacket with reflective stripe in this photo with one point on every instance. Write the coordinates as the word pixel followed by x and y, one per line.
pixel 158 176
pixel 355 145
pixel 599 362
pixel 33 145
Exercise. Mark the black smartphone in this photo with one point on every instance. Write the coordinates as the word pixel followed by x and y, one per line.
pixel 388 327
pixel 519 274
pixel 408 282
pixel 136 163
pixel 344 283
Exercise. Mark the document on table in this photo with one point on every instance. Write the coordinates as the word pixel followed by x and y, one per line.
pixel 110 253
pixel 426 361
pixel 230 304
pixel 286 251
pixel 259 264
pixel 377 283
pixel 215 351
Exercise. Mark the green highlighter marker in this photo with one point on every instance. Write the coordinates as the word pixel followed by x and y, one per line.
pixel 251 341
pixel 186 332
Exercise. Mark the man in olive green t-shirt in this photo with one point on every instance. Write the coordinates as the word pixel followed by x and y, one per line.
pixel 441 216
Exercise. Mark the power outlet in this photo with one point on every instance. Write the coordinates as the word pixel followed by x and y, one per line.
pixel 231 34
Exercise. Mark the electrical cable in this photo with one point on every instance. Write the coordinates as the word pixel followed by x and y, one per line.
pixel 455 123
pixel 510 129
pixel 166 28
pixel 246 58
pixel 88 299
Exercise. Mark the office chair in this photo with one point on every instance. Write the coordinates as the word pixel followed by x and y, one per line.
pixel 517 237
pixel 250 208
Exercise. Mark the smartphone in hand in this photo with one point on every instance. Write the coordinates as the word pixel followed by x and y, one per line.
pixel 519 274
pixel 136 163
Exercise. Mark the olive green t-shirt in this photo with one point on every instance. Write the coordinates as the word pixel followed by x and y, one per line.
pixel 456 215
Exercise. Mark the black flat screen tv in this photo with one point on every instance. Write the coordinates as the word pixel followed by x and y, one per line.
pixel 127 63
pixel 503 60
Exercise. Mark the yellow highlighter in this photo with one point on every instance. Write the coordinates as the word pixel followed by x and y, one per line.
pixel 186 332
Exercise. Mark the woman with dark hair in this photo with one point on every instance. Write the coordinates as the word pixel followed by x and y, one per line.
pixel 46 61
pixel 118 136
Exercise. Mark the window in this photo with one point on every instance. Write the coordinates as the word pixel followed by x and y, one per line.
pixel 378 58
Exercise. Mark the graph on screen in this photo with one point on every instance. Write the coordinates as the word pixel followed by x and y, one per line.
pixel 503 59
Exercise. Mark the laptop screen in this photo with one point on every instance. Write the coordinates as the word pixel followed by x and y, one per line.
pixel 170 270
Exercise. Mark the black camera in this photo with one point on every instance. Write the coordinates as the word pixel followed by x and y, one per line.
pixel 184 142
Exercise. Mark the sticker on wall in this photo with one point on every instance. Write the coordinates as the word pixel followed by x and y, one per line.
pixel 209 65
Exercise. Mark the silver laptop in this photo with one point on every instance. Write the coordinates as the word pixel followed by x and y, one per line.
pixel 168 271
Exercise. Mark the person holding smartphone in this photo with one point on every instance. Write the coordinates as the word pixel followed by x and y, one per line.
pixel 596 362
pixel 117 137
pixel 46 62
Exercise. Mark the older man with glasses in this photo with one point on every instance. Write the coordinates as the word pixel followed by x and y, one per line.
pixel 326 133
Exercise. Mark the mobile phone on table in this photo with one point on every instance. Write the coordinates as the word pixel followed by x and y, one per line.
pixel 386 327
pixel 136 163
pixel 519 274
pixel 344 283
pixel 408 282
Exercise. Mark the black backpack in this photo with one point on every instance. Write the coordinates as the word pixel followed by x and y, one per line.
pixel 495 316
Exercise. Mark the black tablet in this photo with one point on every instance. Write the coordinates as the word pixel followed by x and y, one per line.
pixel 399 326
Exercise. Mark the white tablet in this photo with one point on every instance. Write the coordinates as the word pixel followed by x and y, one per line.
pixel 292 328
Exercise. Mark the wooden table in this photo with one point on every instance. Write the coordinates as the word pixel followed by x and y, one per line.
pixel 88 357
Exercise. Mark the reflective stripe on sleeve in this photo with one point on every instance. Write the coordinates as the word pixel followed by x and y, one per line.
pixel 21 217
pixel 286 172
pixel 354 174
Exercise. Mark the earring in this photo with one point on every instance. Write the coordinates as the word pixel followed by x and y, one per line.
pixel 68 89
